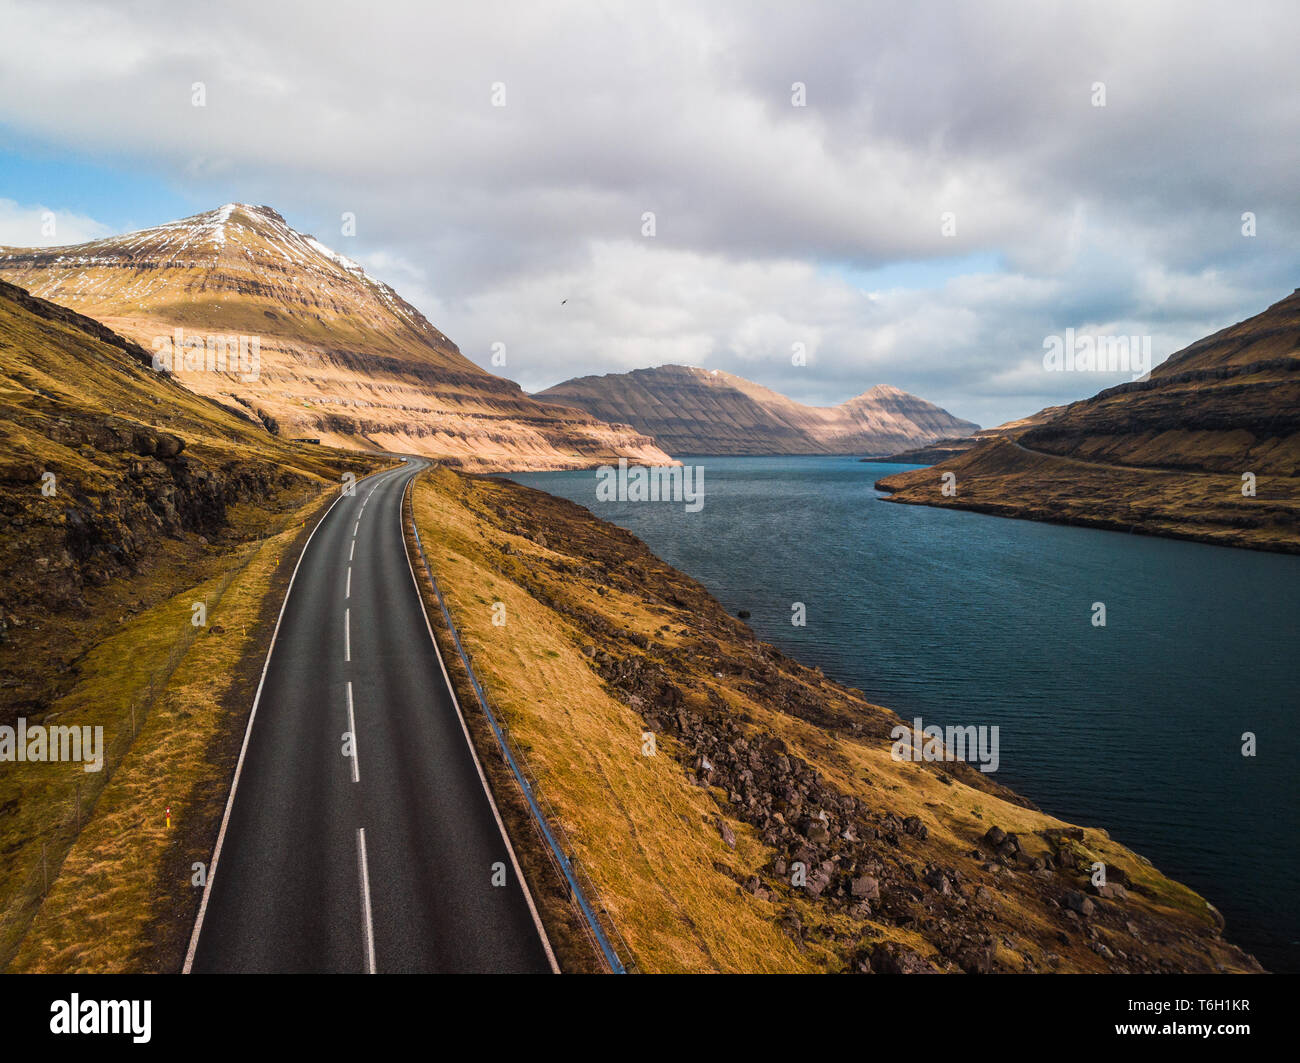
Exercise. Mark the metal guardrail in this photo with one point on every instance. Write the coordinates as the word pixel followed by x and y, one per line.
pixel 523 778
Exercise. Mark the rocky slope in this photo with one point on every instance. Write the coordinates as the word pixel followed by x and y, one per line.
pixel 341 358
pixel 110 472
pixel 702 411
pixel 768 828
pixel 1169 455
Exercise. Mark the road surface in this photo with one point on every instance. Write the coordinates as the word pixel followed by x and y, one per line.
pixel 382 860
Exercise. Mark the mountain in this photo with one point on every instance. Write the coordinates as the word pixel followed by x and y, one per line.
pixel 943 449
pixel 707 411
pixel 1175 454
pixel 329 353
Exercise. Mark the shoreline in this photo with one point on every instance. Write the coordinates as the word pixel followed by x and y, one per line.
pixel 1003 478
pixel 1009 511
pixel 908 851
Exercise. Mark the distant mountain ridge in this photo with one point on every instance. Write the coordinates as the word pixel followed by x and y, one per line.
pixel 949 447
pixel 689 410
pixel 343 358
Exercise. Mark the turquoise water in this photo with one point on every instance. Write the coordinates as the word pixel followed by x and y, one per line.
pixel 968 619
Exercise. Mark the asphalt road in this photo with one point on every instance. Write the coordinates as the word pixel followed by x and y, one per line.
pixel 379 861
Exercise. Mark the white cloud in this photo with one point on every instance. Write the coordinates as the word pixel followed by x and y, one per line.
pixel 488 217
pixel 40 226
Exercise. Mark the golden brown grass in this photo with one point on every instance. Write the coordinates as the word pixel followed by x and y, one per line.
pixel 647 838
pixel 125 873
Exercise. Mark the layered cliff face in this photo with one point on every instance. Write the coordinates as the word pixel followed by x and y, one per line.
pixel 1207 448
pixel 702 411
pixel 277 325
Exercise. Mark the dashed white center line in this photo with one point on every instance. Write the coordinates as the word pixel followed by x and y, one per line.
pixel 355 527
pixel 347 634
pixel 347 592
pixel 367 924
pixel 352 730
pixel 354 546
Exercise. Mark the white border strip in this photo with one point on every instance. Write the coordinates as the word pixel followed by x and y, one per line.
pixel 366 921
pixel 523 883
pixel 352 730
pixel 248 732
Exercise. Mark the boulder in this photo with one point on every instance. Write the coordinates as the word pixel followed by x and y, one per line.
pixel 892 958
pixel 976 959
pixel 169 446
pixel 1077 902
pixel 865 887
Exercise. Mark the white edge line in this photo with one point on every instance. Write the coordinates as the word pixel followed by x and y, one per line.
pixel 514 860
pixel 352 730
pixel 248 731
pixel 365 900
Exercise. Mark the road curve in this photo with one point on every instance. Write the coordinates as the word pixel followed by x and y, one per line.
pixel 383 860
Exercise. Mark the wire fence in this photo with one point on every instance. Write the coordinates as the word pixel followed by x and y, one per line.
pixel 71 811
pixel 600 926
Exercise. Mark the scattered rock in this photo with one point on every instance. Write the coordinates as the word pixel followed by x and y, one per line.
pixel 1077 902
pixel 977 959
pixel 1111 891
pixel 865 887
pixel 892 958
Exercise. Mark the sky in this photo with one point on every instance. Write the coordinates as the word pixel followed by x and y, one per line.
pixel 917 194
